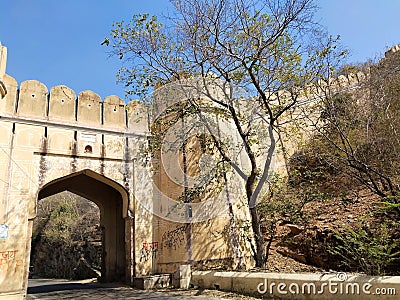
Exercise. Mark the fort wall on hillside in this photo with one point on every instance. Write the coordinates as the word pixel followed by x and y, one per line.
pixel 52 139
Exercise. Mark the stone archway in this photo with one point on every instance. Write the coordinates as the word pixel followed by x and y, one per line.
pixel 112 199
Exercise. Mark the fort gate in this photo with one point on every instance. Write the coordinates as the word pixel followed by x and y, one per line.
pixel 52 141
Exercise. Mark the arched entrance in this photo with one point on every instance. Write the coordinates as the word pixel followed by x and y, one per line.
pixel 112 199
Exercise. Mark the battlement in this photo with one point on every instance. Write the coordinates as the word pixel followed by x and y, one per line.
pixel 343 82
pixel 392 50
pixel 32 100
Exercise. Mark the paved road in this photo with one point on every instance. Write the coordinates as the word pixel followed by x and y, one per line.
pixel 53 289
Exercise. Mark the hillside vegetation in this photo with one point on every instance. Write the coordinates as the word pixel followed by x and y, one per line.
pixel 339 206
pixel 66 241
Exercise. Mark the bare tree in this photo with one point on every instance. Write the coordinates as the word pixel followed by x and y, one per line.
pixel 260 48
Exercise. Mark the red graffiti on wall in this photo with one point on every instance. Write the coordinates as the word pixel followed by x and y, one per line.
pixel 150 245
pixel 9 261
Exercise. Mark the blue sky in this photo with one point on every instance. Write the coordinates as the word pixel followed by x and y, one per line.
pixel 58 42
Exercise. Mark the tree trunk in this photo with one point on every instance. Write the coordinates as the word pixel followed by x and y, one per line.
pixel 252 191
pixel 259 256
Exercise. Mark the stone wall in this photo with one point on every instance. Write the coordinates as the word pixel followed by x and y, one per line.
pixel 47 135
pixel 51 137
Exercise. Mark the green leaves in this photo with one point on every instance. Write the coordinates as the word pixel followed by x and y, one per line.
pixel 367 250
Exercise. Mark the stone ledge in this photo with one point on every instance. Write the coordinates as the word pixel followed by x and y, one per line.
pixel 13 296
pixel 301 286
pixel 152 281
pixel 71 126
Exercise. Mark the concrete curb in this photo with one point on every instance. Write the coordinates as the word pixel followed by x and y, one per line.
pixel 335 286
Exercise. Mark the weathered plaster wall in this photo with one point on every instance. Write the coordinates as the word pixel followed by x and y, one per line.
pixel 47 134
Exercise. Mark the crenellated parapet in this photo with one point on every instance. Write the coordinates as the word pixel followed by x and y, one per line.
pixel 32 100
pixel 60 104
pixel 326 88
pixel 347 82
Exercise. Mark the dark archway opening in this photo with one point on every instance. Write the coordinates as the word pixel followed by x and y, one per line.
pixel 112 200
pixel 66 238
